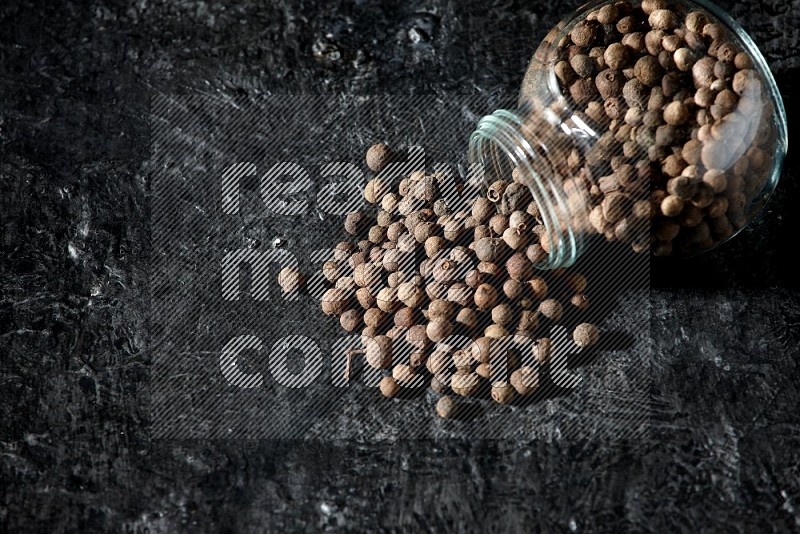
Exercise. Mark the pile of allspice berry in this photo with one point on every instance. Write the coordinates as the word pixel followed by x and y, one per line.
pixel 438 293
pixel 684 126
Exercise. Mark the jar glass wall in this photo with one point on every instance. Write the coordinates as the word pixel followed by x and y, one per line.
pixel 656 124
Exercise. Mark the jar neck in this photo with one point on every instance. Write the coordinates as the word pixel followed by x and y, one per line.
pixel 502 144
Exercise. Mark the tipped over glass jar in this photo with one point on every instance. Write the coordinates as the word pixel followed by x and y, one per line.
pixel 657 124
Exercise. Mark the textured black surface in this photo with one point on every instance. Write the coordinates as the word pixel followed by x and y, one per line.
pixel 75 448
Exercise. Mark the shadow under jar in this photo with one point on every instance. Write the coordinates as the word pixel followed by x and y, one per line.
pixel 657 124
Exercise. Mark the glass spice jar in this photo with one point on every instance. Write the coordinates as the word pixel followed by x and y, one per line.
pixel 657 124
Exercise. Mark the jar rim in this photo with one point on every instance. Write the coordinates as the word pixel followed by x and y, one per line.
pixel 503 130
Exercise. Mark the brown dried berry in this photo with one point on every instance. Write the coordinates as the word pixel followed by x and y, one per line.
pixel 290 280
pixel 663 19
pixel 696 21
pixel 379 156
pixel 676 113
pixel 378 352
pixel 445 407
pixel 586 335
pixel 464 383
pixel 583 90
pixel 519 267
pixel 617 56
pixel 610 83
pixel 672 206
pixel 503 392
pixel 334 302
pixel 585 33
pixel 485 296
pixel 389 387
pixel 525 380
pixel 551 309
pixel 648 71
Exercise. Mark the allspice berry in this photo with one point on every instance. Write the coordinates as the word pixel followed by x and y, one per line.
pixel 515 239
pixel 483 370
pixel 676 113
pixel 482 209
pixel 513 289
pixel 405 317
pixel 485 296
pixel 525 380
pixel 650 6
pixel 684 59
pixel 445 407
pixel 672 206
pixel 334 301
pixel 375 190
pixel 696 21
pixel 376 234
pixel 480 349
pixel 350 320
pixel 542 351
pixel 440 384
pixel 460 294
pixel 417 337
pixel 648 71
pixel 519 267
pixel 608 14
pixel 610 83
pixel 617 56
pixel 586 335
pixel 462 360
pixel 379 156
pixel 389 387
pixel 410 294
pixel 438 361
pixel 502 392
pixel 495 331
pixel 535 253
pixel 580 301
pixel 528 321
pixel 716 179
pixel 440 309
pixel 438 329
pixel 378 352
pixel 502 314
pixel 663 19
pixel 538 287
pixel 498 223
pixel 565 72
pixel 424 230
pixel 467 318
pixel 583 90
pixel 374 317
pixel 585 33
pixel 551 309
pixel 290 280
pixel 464 383
pixel 355 222
pixel 703 72
pixel 496 190
pixel 489 249
pixel 582 65
pixel 387 300
pixel 404 374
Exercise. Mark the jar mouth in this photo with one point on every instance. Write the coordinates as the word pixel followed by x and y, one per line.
pixel 499 146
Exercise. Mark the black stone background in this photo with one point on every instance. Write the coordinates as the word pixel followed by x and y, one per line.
pixel 75 450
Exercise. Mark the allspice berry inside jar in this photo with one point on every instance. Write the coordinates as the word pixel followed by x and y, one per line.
pixel 657 124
